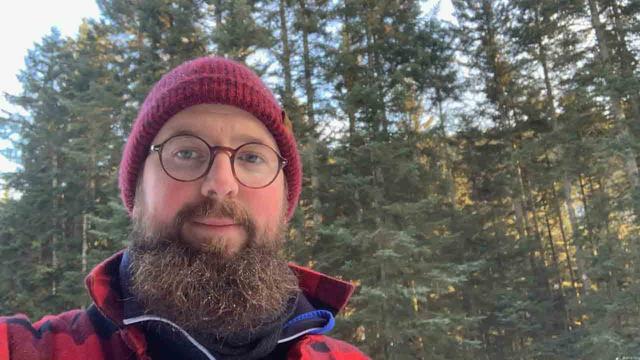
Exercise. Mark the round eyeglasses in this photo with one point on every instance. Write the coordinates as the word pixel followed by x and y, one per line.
pixel 188 158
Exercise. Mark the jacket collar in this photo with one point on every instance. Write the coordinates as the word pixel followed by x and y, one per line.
pixel 323 291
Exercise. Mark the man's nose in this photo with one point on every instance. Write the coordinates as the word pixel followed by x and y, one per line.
pixel 219 182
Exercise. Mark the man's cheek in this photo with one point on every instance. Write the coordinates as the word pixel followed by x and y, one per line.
pixel 166 203
pixel 268 214
pixel 266 211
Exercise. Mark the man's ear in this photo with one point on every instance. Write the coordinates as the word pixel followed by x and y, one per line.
pixel 287 122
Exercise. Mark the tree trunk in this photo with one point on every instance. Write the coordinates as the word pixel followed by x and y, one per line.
pixel 385 314
pixel 349 80
pixel 585 206
pixel 554 256
pixel 520 218
pixel 581 256
pixel 316 204
pixel 218 13
pixel 448 161
pixel 54 237
pixel 84 244
pixel 565 241
pixel 374 65
pixel 566 183
pixel 627 65
pixel 542 57
pixel 531 206
pixel 623 134
pixel 308 65
pixel 286 57
pixel 559 300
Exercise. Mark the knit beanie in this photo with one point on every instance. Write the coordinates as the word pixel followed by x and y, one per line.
pixel 208 80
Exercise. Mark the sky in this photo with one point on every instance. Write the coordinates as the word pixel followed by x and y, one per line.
pixel 22 24
pixel 25 22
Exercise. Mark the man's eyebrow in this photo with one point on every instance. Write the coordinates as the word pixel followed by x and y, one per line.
pixel 177 133
pixel 183 132
pixel 250 139
pixel 239 139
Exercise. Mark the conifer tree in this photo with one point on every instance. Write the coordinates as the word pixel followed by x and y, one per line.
pixel 237 33
pixel 39 236
pixel 379 187
pixel 512 191
pixel 475 179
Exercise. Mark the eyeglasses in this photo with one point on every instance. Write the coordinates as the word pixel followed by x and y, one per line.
pixel 188 158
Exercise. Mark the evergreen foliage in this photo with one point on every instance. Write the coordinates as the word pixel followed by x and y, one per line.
pixel 478 180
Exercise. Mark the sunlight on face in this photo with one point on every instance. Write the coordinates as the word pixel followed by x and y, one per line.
pixel 162 198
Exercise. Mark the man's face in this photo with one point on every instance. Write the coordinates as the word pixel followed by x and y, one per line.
pixel 219 240
pixel 165 200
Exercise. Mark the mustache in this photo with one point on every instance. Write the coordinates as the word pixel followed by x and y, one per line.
pixel 213 208
pixel 207 207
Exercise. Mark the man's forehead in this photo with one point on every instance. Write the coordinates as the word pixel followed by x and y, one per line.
pixel 216 123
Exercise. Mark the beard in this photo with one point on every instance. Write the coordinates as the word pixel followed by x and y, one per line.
pixel 205 290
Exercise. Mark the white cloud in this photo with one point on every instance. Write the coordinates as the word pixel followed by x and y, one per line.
pixel 7 166
pixel 25 22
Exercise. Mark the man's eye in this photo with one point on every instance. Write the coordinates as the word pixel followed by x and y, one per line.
pixel 187 154
pixel 251 158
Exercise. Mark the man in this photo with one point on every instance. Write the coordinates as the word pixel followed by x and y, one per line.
pixel 210 175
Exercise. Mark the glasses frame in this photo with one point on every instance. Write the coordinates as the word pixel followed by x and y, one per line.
pixel 215 150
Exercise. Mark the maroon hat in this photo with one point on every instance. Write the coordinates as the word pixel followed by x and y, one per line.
pixel 208 80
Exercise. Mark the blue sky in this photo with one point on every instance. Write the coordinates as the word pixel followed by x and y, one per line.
pixel 22 24
pixel 25 22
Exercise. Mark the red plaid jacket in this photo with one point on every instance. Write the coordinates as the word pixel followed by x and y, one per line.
pixel 87 334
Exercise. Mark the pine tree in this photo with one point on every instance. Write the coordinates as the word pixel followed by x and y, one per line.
pixel 237 34
pixel 386 212
pixel 476 179
pixel 513 107
pixel 152 37
pixel 40 236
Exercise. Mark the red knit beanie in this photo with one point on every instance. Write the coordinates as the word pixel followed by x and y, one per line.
pixel 208 80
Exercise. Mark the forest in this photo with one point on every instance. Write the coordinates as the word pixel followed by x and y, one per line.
pixel 477 179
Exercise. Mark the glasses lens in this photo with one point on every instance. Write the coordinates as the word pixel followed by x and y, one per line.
pixel 256 165
pixel 185 157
